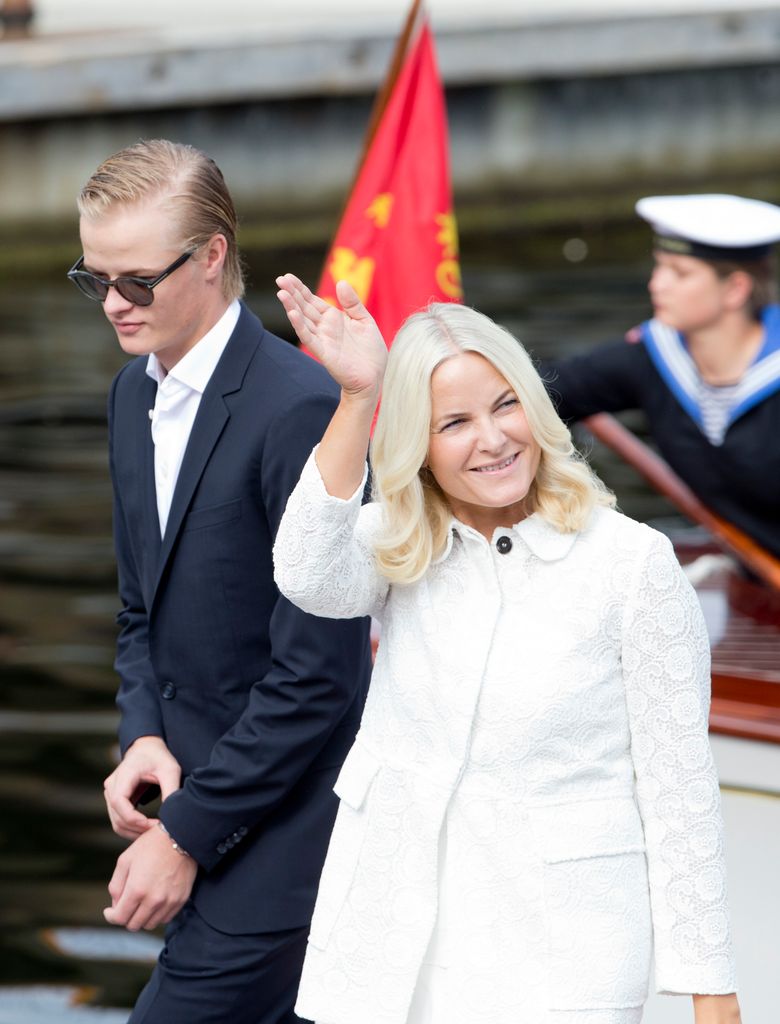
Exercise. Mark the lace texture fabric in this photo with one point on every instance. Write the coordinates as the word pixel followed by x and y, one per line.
pixel 530 808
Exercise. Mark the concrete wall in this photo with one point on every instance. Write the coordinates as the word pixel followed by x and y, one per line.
pixel 556 109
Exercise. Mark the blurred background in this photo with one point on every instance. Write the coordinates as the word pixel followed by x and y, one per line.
pixel 561 115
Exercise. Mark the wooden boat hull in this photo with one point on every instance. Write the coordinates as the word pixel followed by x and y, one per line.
pixel 743 619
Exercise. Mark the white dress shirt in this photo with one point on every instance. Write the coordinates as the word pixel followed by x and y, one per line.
pixel 178 397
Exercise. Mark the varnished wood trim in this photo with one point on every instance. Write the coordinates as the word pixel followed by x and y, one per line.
pixel 744 719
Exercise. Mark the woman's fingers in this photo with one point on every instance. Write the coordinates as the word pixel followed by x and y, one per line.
pixel 310 305
pixel 295 317
pixel 341 338
pixel 304 310
pixel 349 301
pixel 297 320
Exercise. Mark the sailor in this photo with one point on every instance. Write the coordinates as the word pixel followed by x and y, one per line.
pixel 706 368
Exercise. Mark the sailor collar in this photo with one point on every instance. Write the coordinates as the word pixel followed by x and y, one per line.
pixel 669 353
pixel 539 536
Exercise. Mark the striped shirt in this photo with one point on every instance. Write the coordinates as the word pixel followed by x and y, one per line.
pixel 715 405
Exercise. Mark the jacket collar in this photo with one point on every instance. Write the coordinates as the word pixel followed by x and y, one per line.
pixel 669 353
pixel 539 536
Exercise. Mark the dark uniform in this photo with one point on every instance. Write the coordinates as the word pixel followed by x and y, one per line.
pixel 738 479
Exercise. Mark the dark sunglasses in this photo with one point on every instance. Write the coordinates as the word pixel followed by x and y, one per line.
pixel 137 290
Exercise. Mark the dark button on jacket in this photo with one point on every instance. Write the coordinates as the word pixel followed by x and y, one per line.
pixel 504 545
pixel 167 690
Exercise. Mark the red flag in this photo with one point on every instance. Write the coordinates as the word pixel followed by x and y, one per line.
pixel 397 243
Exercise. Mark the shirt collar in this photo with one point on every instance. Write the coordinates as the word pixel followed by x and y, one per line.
pixel 196 367
pixel 539 536
pixel 669 354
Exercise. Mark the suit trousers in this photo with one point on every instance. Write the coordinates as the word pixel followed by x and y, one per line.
pixel 205 976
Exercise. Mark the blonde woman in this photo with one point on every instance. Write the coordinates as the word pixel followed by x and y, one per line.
pixel 530 805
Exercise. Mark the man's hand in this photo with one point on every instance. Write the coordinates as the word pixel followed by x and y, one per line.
pixel 150 884
pixel 148 761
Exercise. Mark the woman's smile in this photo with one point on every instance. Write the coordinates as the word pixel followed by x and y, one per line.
pixel 496 467
pixel 482 453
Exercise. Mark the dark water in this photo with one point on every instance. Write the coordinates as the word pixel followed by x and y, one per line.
pixel 57 599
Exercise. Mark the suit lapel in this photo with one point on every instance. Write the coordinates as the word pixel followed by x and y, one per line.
pixel 213 414
pixel 147 498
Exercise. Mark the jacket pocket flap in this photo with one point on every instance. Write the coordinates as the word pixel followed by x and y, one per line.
pixel 213 515
pixel 356 775
pixel 590 828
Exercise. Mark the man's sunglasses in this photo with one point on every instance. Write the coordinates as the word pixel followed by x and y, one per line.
pixel 137 290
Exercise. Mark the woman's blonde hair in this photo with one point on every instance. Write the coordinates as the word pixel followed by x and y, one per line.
pixel 188 179
pixel 416 512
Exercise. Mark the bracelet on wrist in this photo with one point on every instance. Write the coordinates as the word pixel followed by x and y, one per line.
pixel 174 844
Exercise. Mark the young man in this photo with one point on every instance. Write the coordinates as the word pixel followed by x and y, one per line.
pixel 239 707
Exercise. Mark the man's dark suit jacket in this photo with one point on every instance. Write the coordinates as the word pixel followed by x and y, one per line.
pixel 258 701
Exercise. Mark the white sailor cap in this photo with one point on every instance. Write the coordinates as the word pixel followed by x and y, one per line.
pixel 712 226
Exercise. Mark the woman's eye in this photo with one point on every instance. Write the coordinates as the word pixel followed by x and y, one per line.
pixel 508 403
pixel 452 423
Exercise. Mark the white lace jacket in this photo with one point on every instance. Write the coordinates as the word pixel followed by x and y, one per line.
pixel 601 757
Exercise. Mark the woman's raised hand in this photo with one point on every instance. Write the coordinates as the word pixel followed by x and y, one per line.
pixel 346 341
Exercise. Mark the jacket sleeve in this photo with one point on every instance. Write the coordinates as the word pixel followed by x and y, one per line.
pixel 318 672
pixel 137 697
pixel 666 667
pixel 323 556
pixel 607 378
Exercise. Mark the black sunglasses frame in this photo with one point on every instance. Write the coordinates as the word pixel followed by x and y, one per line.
pixel 91 285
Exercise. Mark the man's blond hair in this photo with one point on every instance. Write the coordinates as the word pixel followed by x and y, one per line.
pixel 189 182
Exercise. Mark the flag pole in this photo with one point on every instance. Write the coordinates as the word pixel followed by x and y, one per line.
pixel 381 100
pixel 396 240
pixel 386 89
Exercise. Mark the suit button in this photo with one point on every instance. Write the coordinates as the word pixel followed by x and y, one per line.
pixel 242 831
pixel 504 545
pixel 221 848
pixel 167 691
